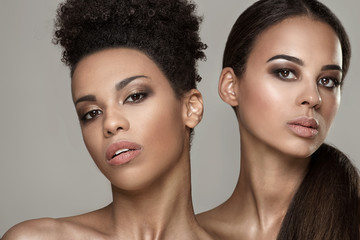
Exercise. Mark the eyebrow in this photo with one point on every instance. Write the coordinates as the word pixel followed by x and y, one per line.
pixel 331 67
pixel 301 63
pixel 120 85
pixel 87 98
pixel 288 58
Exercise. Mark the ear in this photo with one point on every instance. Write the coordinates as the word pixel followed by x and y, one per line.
pixel 193 108
pixel 227 86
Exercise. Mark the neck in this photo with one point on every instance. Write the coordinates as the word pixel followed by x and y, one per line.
pixel 161 210
pixel 267 183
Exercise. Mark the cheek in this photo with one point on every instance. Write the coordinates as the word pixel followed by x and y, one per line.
pixel 90 137
pixel 159 123
pixel 261 99
pixel 330 106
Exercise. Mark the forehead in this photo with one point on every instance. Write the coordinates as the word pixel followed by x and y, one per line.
pixel 302 37
pixel 120 60
pixel 111 66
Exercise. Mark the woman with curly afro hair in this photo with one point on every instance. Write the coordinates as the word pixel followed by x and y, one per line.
pixel 133 81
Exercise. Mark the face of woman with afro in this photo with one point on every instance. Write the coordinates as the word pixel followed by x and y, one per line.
pixel 134 126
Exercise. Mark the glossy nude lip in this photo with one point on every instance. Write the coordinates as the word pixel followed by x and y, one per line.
pixel 304 127
pixel 122 152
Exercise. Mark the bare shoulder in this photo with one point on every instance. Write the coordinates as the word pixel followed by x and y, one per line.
pixel 223 222
pixel 86 226
pixel 212 222
pixel 45 228
pixel 207 219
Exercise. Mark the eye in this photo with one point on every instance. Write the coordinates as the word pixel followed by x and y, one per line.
pixel 285 74
pixel 135 98
pixel 91 115
pixel 328 82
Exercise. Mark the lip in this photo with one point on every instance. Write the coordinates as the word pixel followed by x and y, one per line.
pixel 304 127
pixel 134 150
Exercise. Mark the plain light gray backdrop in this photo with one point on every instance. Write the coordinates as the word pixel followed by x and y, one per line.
pixel 45 170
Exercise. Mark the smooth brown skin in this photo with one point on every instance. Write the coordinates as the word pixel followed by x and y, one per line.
pixel 151 193
pixel 274 158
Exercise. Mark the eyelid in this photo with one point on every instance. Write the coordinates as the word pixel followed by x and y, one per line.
pixel 143 96
pixel 82 114
pixel 335 81
pixel 138 89
pixel 278 70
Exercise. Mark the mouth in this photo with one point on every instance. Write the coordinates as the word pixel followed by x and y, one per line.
pixel 304 127
pixel 122 152
pixel 305 122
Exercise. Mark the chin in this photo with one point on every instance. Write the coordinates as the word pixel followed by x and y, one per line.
pixel 129 186
pixel 132 183
pixel 301 150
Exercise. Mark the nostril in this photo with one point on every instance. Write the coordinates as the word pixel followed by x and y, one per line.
pixel 110 132
pixel 305 103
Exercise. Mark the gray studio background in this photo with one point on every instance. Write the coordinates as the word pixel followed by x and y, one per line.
pixel 45 170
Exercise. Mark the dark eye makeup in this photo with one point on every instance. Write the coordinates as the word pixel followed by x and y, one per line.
pixel 289 74
pixel 285 74
pixel 329 82
pixel 136 97
pixel 88 116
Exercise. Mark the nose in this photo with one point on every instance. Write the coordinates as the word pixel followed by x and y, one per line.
pixel 310 96
pixel 114 122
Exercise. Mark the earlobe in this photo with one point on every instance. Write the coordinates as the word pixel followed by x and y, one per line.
pixel 193 108
pixel 226 88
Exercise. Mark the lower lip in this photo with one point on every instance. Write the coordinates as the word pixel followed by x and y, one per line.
pixel 124 158
pixel 301 131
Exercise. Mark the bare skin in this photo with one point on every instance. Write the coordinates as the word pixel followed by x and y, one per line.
pixel 273 91
pixel 122 96
pixel 163 215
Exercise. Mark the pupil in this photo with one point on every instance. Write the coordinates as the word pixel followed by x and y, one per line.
pixel 285 73
pixel 93 113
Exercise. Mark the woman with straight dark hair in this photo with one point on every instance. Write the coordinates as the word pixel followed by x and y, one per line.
pixel 283 69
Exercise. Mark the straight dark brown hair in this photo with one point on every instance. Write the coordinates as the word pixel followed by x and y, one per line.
pixel 326 204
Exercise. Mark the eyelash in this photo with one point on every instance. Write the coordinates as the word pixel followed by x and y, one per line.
pixel 85 117
pixel 335 82
pixel 136 98
pixel 139 97
pixel 278 73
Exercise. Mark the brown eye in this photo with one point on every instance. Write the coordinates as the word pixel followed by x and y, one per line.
pixel 324 81
pixel 328 82
pixel 136 97
pixel 285 74
pixel 92 114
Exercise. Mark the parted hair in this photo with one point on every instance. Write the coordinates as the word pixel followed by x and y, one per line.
pixel 326 205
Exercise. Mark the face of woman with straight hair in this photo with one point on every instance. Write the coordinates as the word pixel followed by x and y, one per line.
pixel 134 126
pixel 289 94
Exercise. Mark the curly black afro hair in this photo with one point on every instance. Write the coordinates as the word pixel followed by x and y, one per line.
pixel 165 30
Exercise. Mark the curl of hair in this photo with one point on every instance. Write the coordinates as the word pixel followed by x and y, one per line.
pixel 165 30
pixel 326 203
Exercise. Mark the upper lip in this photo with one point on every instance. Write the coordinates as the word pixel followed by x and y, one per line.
pixel 114 147
pixel 305 122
